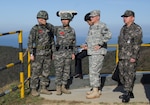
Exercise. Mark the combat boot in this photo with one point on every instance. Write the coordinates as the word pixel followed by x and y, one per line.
pixel 34 93
pixel 45 91
pixel 91 90
pixel 64 90
pixel 95 94
pixel 58 90
pixel 126 97
pixel 131 95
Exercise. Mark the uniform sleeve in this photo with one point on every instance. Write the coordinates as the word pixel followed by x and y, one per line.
pixel 137 41
pixel 55 37
pixel 74 43
pixel 120 39
pixel 52 38
pixel 31 40
pixel 106 35
pixel 55 30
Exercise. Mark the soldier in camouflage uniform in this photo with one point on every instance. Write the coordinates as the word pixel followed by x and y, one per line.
pixel 129 42
pixel 65 50
pixel 40 45
pixel 97 39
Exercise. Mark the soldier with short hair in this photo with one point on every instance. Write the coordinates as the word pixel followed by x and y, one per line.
pixel 83 53
pixel 65 51
pixel 129 42
pixel 97 39
pixel 41 45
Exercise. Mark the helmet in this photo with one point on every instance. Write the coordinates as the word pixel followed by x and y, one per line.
pixel 87 17
pixel 67 16
pixel 42 14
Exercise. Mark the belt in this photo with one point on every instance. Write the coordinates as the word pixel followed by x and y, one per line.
pixel 44 47
pixel 64 48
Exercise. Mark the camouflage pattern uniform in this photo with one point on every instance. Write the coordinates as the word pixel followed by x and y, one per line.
pixel 129 45
pixel 65 47
pixel 98 34
pixel 41 44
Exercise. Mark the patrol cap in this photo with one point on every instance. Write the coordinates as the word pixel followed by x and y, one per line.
pixel 95 13
pixel 87 17
pixel 128 13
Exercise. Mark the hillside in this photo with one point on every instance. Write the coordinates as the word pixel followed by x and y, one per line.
pixel 10 55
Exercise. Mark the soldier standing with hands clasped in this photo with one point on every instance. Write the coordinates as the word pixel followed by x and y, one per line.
pixel 41 45
pixel 65 51
pixel 129 42
pixel 97 39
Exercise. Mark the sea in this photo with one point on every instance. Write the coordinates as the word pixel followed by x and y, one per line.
pixel 12 40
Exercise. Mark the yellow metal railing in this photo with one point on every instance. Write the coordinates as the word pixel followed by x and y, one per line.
pixel 109 46
pixel 21 86
pixel 116 45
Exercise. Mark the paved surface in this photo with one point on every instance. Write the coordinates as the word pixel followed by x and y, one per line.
pixel 109 94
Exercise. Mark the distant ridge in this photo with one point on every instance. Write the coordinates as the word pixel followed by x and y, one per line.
pixel 10 55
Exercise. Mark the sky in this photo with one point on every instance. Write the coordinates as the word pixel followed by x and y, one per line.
pixel 21 14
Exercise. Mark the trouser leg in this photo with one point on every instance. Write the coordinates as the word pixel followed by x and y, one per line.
pixel 78 61
pixel 127 74
pixel 95 66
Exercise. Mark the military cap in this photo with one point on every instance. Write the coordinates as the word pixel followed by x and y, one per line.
pixel 95 13
pixel 128 13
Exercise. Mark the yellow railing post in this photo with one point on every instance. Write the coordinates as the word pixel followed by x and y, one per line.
pixel 21 59
pixel 115 45
pixel 29 68
pixel 117 51
pixel 29 65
